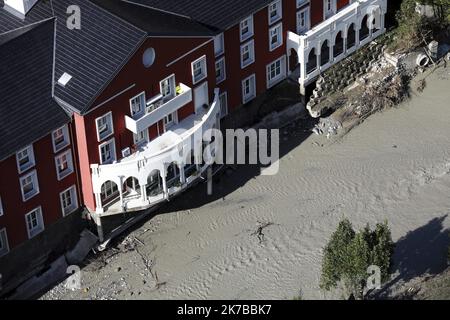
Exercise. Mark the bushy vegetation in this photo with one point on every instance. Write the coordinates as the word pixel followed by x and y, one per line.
pixel 415 30
pixel 348 256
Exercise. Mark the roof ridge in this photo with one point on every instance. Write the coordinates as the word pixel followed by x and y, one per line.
pixel 30 27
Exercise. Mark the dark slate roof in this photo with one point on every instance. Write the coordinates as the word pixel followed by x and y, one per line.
pixel 217 14
pixel 92 55
pixel 156 22
pixel 27 109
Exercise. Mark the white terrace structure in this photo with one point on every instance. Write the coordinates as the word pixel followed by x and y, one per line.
pixel 336 38
pixel 160 169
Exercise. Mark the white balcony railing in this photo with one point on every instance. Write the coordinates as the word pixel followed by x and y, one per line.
pixel 327 32
pixel 153 160
pixel 142 122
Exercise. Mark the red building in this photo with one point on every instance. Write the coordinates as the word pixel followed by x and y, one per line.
pixel 135 82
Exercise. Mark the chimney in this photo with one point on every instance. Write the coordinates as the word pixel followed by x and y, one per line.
pixel 19 8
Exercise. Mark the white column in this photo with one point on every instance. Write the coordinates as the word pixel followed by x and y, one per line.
pixel 163 177
pixel 120 187
pixel 144 194
pixel 331 59
pixel 182 175
pixel 98 222
pixel 98 203
pixel 356 36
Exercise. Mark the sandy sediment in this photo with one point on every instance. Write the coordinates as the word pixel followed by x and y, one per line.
pixel 395 167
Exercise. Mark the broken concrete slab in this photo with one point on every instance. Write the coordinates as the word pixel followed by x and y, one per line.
pixel 35 285
pixel 87 241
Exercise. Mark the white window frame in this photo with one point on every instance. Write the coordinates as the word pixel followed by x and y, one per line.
pixel 1 207
pixel 113 151
pixel 137 140
pixel 301 3
pixel 221 62
pixel 142 104
pixel 111 124
pixel 172 86
pixel 40 220
pixel 168 124
pixel 329 13
pixel 70 168
pixel 4 249
pixel 302 29
pixel 35 182
pixel 278 7
pixel 250 32
pixel 219 45
pixel 279 33
pixel 272 81
pixel 31 162
pixel 251 46
pixel 74 199
pixel 223 113
pixel 204 73
pixel 65 143
pixel 252 95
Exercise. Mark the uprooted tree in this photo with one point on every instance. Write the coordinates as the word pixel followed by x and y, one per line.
pixel 348 257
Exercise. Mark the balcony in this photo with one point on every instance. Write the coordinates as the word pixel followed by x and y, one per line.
pixel 157 108
pixel 159 170
pixel 336 38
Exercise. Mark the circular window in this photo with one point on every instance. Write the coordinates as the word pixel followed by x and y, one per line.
pixel 149 57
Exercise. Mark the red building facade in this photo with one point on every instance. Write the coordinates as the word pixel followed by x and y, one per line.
pixel 168 87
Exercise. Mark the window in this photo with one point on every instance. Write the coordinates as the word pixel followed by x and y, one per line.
pixel 141 137
pixel 64 165
pixel 109 190
pixel 275 11
pixel 60 138
pixel 223 98
pixel 69 201
pixel 107 152
pixel 220 70
pixel 4 246
pixel 303 22
pixel 276 71
pixel 25 159
pixel 29 186
pixel 301 2
pixel 137 104
pixel 247 54
pixel 248 89
pixel 170 120
pixel 219 45
pixel 329 7
pixel 148 58
pixel 35 223
pixel 1 207
pixel 246 28
pixel 276 36
pixel 104 126
pixel 167 87
pixel 199 71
